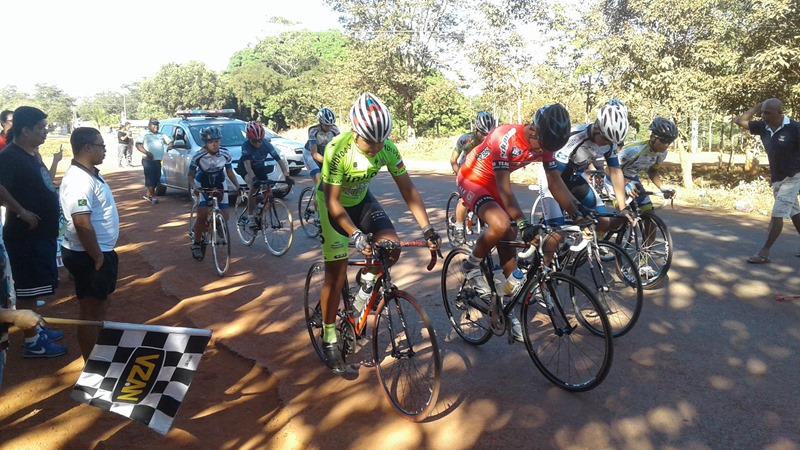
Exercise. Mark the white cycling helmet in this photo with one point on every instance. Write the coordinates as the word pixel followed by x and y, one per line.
pixel 371 118
pixel 612 120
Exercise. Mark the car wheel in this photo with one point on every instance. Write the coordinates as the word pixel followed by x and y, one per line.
pixel 294 172
pixel 160 190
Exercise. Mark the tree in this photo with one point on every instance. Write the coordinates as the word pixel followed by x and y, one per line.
pixel 397 44
pixel 184 86
pixel 441 108
pixel 55 103
pixel 104 109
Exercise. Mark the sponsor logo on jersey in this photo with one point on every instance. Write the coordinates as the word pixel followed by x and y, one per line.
pixel 483 154
pixel 516 151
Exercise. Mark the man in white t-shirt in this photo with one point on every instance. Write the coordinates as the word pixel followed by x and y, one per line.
pixel 152 145
pixel 92 231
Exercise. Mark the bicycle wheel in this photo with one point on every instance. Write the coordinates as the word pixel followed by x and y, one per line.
pixel 450 218
pixel 192 220
pixel 612 276
pixel 220 244
pixel 407 358
pixel 653 253
pixel 246 234
pixel 467 311
pixel 276 224
pixel 565 351
pixel 345 334
pixel 307 210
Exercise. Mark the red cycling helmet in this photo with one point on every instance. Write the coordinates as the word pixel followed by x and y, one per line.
pixel 254 130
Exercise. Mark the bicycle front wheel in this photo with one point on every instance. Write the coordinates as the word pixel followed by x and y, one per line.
pixel 467 311
pixel 407 358
pixel 277 226
pixel 566 352
pixel 652 249
pixel 613 277
pixel 537 212
pixel 450 218
pixel 192 220
pixel 246 234
pixel 220 244
pixel 307 210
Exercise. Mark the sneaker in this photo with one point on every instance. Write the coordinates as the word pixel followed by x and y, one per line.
pixel 459 236
pixel 647 272
pixel 51 334
pixel 148 198
pixel 516 327
pixel 477 281
pixel 333 357
pixel 43 348
pixel 153 200
pixel 197 252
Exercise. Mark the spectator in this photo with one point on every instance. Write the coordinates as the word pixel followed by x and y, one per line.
pixel 153 145
pixel 781 138
pixel 6 120
pixel 92 231
pixel 30 236
pixel 124 145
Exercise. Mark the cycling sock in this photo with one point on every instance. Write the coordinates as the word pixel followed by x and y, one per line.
pixel 32 339
pixel 472 262
pixel 329 333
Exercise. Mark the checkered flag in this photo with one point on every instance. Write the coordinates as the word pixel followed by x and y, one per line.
pixel 141 371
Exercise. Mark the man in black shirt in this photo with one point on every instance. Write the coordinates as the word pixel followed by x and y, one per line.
pixel 31 245
pixel 781 138
pixel 124 145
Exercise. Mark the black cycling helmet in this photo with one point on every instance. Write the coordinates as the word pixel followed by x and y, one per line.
pixel 210 133
pixel 553 124
pixel 664 130
pixel 484 122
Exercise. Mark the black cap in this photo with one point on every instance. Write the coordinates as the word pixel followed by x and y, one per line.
pixel 153 120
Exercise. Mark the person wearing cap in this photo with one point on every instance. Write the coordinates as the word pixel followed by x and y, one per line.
pixel 152 145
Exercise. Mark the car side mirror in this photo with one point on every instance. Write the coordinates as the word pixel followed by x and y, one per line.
pixel 179 143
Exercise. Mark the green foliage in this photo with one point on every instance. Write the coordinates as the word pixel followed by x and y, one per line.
pixel 183 86
pixel 441 109
pixel 55 103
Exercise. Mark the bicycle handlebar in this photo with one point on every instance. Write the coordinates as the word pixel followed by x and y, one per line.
pixel 391 245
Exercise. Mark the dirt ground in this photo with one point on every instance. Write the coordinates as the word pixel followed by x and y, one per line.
pixel 228 393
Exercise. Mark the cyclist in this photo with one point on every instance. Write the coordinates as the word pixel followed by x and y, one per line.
pixel 318 138
pixel 643 156
pixel 255 151
pixel 484 184
pixel 586 143
pixel 349 210
pixel 484 123
pixel 207 171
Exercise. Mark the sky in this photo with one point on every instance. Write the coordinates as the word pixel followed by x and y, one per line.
pixel 87 46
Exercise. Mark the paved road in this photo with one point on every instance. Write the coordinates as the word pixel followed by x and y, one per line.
pixel 712 362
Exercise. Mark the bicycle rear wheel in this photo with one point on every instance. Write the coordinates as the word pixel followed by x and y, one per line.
pixel 565 351
pixel 537 211
pixel 450 218
pixel 246 234
pixel 407 358
pixel 652 254
pixel 467 311
pixel 277 226
pixel 612 276
pixel 307 210
pixel 220 244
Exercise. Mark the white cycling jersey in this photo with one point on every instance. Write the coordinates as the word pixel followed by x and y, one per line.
pixel 638 157
pixel 580 150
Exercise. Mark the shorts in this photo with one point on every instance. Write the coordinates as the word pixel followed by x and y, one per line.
pixel 368 216
pixel 89 282
pixel 785 193
pixel 205 200
pixel 152 172
pixel 33 267
pixel 475 195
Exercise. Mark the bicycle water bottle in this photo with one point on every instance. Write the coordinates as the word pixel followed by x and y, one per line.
pixel 364 293
pixel 514 282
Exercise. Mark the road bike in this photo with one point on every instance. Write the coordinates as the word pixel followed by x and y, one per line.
pixel 216 229
pixel 565 329
pixel 606 269
pixel 272 218
pixel 404 347
pixel 472 224
pixel 595 178
pixel 648 241
pixel 307 212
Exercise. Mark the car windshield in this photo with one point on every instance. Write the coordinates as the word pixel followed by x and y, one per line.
pixel 271 134
pixel 233 134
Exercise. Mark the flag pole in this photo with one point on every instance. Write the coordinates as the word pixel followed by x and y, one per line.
pixel 59 321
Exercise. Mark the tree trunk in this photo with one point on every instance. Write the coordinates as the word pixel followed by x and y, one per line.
pixel 695 133
pixel 412 134
pixel 686 164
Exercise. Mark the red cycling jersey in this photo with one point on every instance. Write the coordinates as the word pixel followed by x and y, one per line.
pixel 505 148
